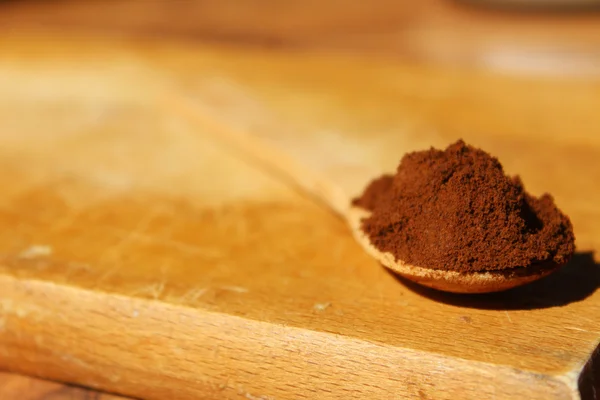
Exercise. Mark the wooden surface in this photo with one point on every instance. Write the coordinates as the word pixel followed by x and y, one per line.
pixel 19 387
pixel 431 30
pixel 143 258
pixel 449 32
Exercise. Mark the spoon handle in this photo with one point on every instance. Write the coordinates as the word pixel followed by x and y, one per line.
pixel 318 164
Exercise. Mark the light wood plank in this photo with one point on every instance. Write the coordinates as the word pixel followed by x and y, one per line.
pixel 141 257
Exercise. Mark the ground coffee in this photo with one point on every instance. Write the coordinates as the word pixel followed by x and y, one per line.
pixel 457 210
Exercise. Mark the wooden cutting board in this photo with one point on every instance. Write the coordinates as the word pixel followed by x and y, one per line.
pixel 15 386
pixel 139 255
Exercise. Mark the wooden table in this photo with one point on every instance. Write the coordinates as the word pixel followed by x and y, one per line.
pixel 447 32
pixel 138 219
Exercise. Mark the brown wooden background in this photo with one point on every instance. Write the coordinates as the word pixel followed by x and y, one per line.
pixel 419 31
pixel 440 31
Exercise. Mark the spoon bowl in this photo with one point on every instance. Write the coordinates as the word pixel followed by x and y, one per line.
pixel 448 281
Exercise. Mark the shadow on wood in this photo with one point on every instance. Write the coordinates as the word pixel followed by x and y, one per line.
pixel 574 282
pixel 20 387
pixel 589 380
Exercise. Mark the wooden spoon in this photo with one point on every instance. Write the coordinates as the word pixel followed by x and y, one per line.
pixel 336 182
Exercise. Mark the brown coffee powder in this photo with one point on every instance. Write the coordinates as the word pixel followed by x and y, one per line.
pixel 457 210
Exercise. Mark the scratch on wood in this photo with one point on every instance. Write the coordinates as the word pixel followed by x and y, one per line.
pixel 36 251
pixel 174 244
pixel 75 360
pixel 193 295
pixel 321 306
pixel 236 289
pixel 508 316
pixel 73 268
pixel 106 275
pixel 131 236
pixel 157 290
pixel 154 290
pixel 241 390
pixel 252 397
pixel 576 329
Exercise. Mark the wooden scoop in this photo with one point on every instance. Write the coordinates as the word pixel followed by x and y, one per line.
pixel 336 181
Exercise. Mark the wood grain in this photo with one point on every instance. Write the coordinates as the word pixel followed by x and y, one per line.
pixel 452 33
pixel 18 387
pixel 142 258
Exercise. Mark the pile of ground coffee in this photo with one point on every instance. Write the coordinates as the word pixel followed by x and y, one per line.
pixel 457 210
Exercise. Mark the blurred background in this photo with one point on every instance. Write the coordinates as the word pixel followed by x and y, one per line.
pixel 550 36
